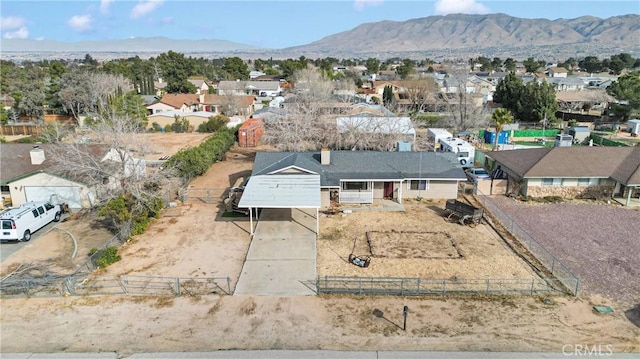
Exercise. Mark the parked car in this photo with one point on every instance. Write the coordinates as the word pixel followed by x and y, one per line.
pixel 475 174
pixel 19 223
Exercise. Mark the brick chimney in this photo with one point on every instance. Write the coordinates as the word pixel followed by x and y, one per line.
pixel 325 156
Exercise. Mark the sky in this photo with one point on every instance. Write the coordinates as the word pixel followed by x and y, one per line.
pixel 265 23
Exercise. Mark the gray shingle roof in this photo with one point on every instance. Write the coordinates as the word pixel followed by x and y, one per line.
pixel 619 163
pixel 364 165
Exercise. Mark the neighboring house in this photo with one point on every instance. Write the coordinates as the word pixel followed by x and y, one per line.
pixel 557 72
pixel 254 74
pixel 255 88
pixel 183 102
pixel 270 114
pixel 359 177
pixel 201 84
pixel 26 174
pixel 572 83
pixel 366 124
pixel 572 172
pixel 167 118
pixel 576 100
pixel 215 104
pixel 160 86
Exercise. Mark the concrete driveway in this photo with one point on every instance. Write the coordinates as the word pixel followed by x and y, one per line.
pixel 282 256
pixel 8 248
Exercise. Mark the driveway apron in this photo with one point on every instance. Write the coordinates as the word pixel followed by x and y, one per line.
pixel 282 255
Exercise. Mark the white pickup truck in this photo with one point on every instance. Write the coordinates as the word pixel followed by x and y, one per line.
pixel 20 223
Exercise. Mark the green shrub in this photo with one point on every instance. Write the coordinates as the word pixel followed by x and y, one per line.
pixel 108 256
pixel 156 127
pixel 214 124
pixel 93 251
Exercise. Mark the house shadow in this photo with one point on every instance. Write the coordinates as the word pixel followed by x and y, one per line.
pixel 633 315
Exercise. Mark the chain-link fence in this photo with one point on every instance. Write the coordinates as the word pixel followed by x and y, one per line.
pixel 426 286
pixel 559 271
pixel 82 285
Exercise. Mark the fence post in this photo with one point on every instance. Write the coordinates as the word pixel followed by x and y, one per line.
pixel 228 285
pixel 553 265
pixel 177 286
pixel 208 195
pixel 401 286
pixel 359 285
pixel 533 281
pixel 487 292
pixel 418 290
pixel 444 287
pixel 575 292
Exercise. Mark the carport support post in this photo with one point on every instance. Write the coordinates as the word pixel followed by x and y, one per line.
pixel 317 221
pixel 251 221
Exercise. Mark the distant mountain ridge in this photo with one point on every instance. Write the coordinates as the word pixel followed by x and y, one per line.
pixel 457 31
pixel 148 44
pixel 437 36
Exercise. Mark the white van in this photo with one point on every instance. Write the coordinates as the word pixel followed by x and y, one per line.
pixel 21 222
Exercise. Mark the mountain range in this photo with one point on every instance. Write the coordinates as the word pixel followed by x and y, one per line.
pixel 450 34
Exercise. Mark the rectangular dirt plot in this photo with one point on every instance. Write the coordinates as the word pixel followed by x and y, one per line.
pixel 396 244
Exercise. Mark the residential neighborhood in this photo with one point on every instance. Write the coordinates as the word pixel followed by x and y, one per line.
pixel 347 205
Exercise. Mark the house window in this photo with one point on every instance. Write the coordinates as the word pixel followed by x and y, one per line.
pixel 4 188
pixel 355 186
pixel 588 181
pixel 552 181
pixel 417 185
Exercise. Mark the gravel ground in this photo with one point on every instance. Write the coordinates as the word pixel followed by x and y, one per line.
pixel 600 243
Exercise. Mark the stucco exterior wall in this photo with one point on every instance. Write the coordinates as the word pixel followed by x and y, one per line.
pixel 18 193
pixel 435 189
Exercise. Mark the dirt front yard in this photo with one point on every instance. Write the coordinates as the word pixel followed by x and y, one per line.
pixel 415 243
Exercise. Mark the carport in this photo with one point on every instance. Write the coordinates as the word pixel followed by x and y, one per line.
pixel 281 191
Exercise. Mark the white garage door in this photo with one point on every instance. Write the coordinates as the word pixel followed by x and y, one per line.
pixel 69 195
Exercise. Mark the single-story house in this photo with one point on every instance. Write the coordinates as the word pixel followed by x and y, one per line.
pixel 26 174
pixel 255 88
pixel 572 172
pixel 215 104
pixel 359 177
pixel 365 124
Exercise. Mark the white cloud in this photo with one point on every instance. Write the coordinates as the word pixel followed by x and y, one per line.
pixel 104 6
pixel 144 7
pixel 21 33
pixel 11 22
pixel 444 7
pixel 361 4
pixel 80 23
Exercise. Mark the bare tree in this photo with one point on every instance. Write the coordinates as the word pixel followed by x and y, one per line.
pixel 421 93
pixel 109 156
pixel 306 125
pixel 465 109
pixel 83 92
pixel 377 133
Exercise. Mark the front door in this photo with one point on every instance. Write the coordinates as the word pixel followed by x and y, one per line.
pixel 388 190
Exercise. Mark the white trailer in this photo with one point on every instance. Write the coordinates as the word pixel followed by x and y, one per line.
pixel 633 127
pixel 435 135
pixel 466 152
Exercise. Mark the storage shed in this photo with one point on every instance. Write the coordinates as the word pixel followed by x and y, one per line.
pixel 579 133
pixel 250 132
